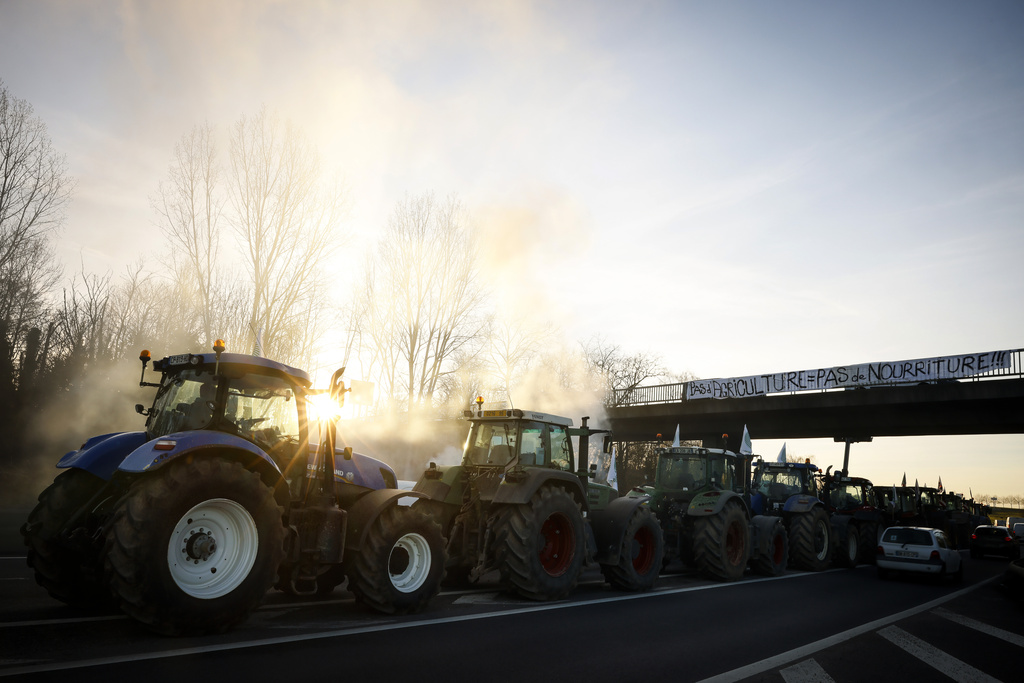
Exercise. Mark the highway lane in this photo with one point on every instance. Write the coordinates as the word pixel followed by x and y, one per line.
pixel 688 629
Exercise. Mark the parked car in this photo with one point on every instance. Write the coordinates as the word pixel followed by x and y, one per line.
pixel 994 540
pixel 918 550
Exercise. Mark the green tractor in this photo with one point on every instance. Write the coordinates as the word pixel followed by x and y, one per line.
pixel 701 497
pixel 521 504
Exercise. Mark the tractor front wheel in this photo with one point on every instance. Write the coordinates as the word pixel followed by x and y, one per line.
pixel 721 543
pixel 400 565
pixel 66 564
pixel 849 550
pixel 539 546
pixel 193 547
pixel 773 562
pixel 641 553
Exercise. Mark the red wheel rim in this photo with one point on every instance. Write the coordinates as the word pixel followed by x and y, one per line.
pixel 559 544
pixel 734 549
pixel 643 551
pixel 778 548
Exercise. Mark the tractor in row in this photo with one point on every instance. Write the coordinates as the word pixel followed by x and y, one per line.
pixel 524 504
pixel 703 501
pixel 234 486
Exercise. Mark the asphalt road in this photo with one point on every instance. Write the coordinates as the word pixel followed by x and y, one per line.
pixel 839 625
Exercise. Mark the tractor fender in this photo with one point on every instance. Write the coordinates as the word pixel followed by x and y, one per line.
pixel 447 488
pixel 709 503
pixel 800 503
pixel 365 511
pixel 609 527
pixel 101 455
pixel 764 527
pixel 147 458
pixel 521 491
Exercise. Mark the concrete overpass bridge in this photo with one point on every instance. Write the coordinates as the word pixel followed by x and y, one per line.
pixel 979 393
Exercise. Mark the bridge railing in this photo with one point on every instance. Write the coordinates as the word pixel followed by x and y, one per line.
pixel 671 393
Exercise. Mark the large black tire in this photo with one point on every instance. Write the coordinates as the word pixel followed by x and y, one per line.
pixel 773 563
pixel 539 546
pixel 640 555
pixel 848 550
pixel 69 569
pixel 400 565
pixel 810 540
pixel 721 543
pixel 193 547
pixel 869 534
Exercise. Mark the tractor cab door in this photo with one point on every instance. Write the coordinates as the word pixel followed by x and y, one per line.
pixel 265 410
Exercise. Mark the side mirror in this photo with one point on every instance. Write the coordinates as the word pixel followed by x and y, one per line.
pixel 141 409
pixel 348 452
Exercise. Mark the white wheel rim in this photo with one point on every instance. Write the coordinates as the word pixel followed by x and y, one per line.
pixel 409 563
pixel 212 548
pixel 823 534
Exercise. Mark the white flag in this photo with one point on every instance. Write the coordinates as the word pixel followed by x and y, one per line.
pixel 782 454
pixel 746 448
pixel 612 478
pixel 675 441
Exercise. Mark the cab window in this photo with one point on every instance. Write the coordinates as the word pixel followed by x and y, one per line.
pixel 561 448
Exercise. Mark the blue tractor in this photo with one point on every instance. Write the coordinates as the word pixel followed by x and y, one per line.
pixel 234 486
pixel 790 491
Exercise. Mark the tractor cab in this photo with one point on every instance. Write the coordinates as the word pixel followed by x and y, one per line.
pixel 846 495
pixel 511 438
pixel 259 400
pixel 684 471
pixel 774 483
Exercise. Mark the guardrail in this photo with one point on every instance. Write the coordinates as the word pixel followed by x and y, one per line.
pixel 672 393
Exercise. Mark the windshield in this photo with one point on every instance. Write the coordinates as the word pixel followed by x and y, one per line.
pixel 846 496
pixel 185 401
pixel 779 484
pixel 905 536
pixel 681 473
pixel 263 409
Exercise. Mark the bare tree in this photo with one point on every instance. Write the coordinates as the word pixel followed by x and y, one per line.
pixel 621 372
pixel 34 191
pixel 190 207
pixel 422 294
pixel 513 344
pixel 286 219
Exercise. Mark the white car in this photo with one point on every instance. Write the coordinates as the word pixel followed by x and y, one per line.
pixel 919 550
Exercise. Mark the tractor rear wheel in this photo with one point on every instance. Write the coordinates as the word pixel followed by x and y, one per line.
pixel 69 573
pixel 539 546
pixel 773 563
pixel 810 540
pixel 721 543
pixel 849 548
pixel 400 565
pixel 193 547
pixel 641 553
pixel 869 534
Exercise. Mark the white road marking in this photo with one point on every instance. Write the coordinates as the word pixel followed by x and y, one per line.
pixel 808 671
pixel 934 657
pixel 340 633
pixel 987 629
pixel 811 648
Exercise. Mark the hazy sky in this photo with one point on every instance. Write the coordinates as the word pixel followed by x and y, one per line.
pixel 740 187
